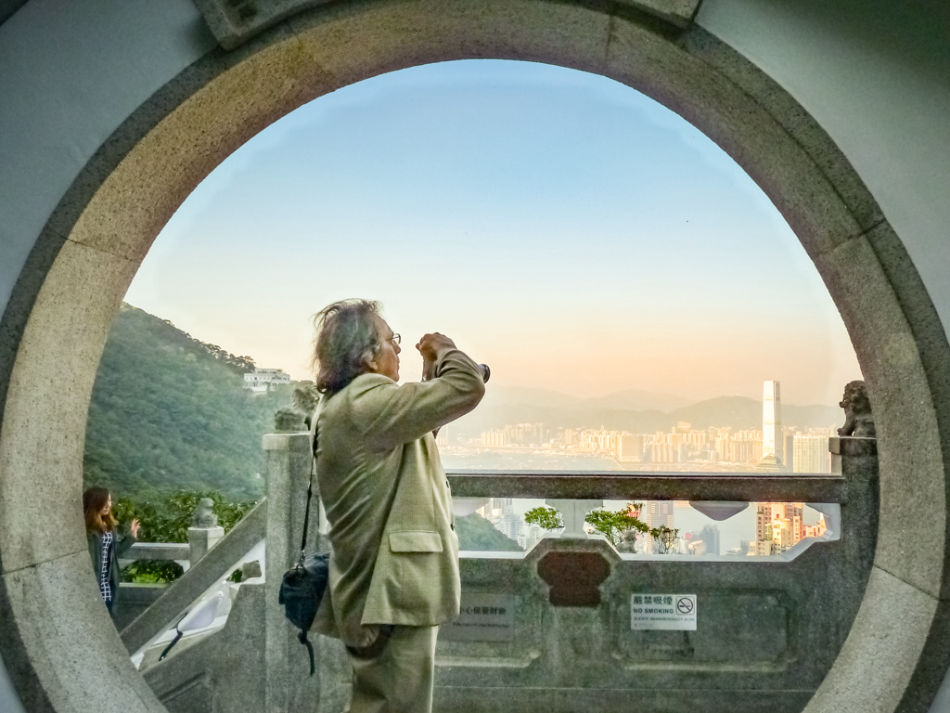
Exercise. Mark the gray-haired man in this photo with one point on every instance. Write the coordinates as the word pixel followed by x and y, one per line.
pixel 394 574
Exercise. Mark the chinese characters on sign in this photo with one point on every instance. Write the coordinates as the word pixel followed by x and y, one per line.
pixel 664 612
pixel 483 617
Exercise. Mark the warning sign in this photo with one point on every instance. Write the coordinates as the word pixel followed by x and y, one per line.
pixel 483 617
pixel 670 612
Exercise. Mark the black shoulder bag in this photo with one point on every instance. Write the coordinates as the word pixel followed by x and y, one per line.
pixel 303 585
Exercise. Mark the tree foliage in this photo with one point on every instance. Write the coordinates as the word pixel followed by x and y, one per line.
pixel 167 519
pixel 169 412
pixel 544 517
pixel 665 537
pixel 613 524
pixel 152 572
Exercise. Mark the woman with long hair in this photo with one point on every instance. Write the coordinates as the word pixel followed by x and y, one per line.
pixel 106 542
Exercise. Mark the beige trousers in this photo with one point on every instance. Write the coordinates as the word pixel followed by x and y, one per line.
pixel 400 679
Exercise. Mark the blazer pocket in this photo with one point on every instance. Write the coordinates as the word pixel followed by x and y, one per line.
pixel 415 541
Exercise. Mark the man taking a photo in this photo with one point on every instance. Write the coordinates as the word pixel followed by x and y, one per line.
pixel 394 573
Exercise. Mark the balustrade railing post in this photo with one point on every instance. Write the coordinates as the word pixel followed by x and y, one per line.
pixel 288 472
pixel 205 532
pixel 573 514
pixel 855 458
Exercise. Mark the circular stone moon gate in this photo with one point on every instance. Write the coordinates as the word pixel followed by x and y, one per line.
pixel 62 651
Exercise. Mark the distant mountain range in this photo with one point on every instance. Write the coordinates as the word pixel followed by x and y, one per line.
pixel 632 410
pixel 168 411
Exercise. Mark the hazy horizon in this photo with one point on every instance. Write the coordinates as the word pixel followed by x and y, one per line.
pixel 567 230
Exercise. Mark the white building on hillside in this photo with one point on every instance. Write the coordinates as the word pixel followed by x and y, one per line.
pixel 262 380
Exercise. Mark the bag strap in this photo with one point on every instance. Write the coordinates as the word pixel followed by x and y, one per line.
pixel 302 638
pixel 306 517
pixel 313 472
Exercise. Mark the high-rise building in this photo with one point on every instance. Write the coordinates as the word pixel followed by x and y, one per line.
pixel 630 448
pixel 811 454
pixel 772 441
pixel 656 513
pixel 778 526
pixel 704 542
pixel 788 450
pixel 763 530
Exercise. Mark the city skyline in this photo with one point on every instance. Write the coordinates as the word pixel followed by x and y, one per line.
pixel 773 449
pixel 475 199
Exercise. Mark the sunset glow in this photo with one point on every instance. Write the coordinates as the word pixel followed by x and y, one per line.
pixel 560 226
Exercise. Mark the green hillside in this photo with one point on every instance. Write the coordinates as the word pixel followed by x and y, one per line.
pixel 169 412
pixel 476 533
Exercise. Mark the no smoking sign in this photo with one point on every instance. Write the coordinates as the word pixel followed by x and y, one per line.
pixel 663 612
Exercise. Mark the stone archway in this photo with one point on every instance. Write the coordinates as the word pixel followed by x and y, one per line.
pixel 64 655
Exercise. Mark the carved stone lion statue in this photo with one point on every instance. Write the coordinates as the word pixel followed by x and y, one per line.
pixel 204 516
pixel 289 420
pixel 857 411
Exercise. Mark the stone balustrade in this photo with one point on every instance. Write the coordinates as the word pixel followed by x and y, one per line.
pixel 137 597
pixel 172 600
pixel 566 626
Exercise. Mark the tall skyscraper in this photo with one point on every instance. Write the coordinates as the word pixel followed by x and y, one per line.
pixel 656 513
pixel 811 453
pixel 772 436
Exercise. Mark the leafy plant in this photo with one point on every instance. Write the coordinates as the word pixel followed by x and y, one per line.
pixel 166 518
pixel 544 517
pixel 152 572
pixel 613 524
pixel 666 536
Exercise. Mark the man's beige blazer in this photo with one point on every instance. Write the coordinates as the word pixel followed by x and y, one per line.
pixel 394 549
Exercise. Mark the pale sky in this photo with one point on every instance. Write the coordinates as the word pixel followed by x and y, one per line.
pixel 564 228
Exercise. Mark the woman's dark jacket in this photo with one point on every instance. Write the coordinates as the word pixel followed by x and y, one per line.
pixel 120 543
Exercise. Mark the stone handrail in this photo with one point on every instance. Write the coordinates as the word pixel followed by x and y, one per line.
pixel 202 575
pixel 779 487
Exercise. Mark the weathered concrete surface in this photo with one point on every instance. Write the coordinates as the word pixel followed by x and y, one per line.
pixel 222 673
pixel 58 604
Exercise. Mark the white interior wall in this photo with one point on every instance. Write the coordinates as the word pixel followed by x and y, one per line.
pixel 70 73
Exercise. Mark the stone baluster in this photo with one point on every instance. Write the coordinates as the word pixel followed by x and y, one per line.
pixel 205 532
pixel 573 513
pixel 288 471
